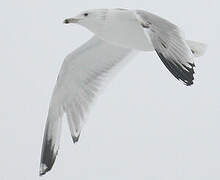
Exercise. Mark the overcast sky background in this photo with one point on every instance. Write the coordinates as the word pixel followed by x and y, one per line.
pixel 146 125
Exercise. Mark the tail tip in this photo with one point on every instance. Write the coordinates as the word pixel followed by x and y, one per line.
pixel 197 48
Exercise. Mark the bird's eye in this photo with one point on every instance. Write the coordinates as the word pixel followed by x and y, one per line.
pixel 86 14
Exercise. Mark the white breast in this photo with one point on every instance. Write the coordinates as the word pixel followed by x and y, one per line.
pixel 122 28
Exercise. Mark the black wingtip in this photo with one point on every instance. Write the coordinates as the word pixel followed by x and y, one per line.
pixel 43 171
pixel 75 138
pixel 66 21
pixel 48 156
pixel 184 74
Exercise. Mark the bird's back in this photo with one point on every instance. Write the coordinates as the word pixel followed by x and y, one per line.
pixel 122 28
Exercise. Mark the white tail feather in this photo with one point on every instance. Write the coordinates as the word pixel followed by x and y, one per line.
pixel 197 48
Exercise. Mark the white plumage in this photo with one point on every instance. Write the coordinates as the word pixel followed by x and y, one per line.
pixel 119 34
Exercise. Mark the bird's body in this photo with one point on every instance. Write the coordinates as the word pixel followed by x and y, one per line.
pixel 120 25
pixel 119 34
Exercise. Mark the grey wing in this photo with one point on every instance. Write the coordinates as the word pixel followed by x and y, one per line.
pixel 170 45
pixel 79 80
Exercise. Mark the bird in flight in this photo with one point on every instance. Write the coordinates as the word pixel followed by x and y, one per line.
pixel 118 36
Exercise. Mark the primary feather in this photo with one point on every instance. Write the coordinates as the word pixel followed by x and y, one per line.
pixel 170 45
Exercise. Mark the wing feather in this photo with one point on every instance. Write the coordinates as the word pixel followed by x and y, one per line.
pixel 170 45
pixel 81 76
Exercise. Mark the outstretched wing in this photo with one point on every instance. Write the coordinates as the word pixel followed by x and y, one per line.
pixel 170 45
pixel 79 80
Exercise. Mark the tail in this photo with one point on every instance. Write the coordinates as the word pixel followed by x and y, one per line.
pixel 198 49
pixel 51 139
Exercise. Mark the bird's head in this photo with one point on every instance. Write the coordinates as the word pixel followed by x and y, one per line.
pixel 93 20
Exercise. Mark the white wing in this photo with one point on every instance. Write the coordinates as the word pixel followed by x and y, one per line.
pixel 79 80
pixel 170 45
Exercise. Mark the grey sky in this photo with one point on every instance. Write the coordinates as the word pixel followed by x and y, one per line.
pixel 146 124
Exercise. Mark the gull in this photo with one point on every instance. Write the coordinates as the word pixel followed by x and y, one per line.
pixel 118 35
